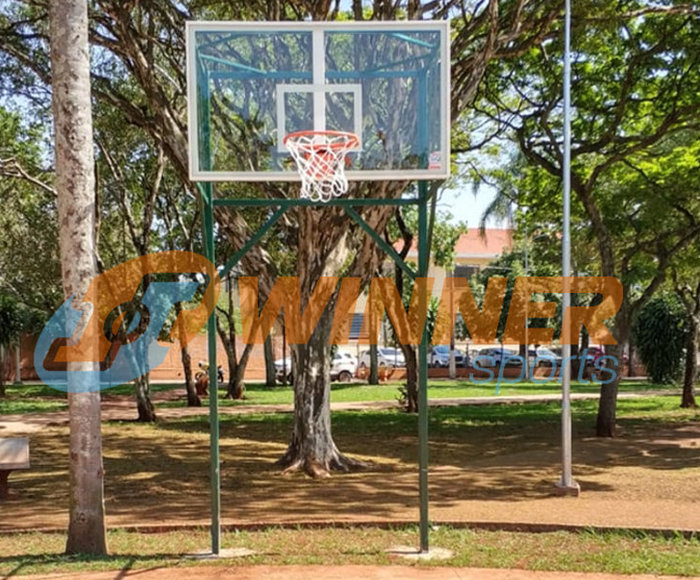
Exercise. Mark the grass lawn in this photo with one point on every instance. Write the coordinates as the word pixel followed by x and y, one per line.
pixel 259 394
pixel 622 553
pixel 35 398
pixel 20 403
pixel 39 398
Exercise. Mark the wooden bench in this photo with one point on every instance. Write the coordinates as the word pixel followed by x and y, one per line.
pixel 14 454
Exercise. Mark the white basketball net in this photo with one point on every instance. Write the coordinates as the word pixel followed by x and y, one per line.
pixel 320 159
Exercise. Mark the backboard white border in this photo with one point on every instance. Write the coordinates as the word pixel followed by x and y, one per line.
pixel 192 27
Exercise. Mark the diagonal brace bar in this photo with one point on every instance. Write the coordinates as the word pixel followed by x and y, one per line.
pixel 254 239
pixel 381 242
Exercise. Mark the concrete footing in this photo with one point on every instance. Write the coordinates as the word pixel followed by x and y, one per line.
pixel 411 553
pixel 571 490
pixel 225 553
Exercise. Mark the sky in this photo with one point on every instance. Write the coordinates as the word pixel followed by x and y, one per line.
pixel 466 207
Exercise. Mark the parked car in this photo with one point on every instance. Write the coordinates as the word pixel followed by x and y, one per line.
pixel 386 357
pixel 282 366
pixel 493 356
pixel 544 357
pixel 343 367
pixel 440 357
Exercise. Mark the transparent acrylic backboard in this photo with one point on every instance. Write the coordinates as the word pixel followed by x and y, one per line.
pixel 251 83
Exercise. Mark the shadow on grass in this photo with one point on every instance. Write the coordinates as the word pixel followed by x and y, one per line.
pixel 125 562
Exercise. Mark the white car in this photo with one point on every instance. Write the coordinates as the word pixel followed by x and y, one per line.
pixel 489 357
pixel 282 366
pixel 544 357
pixel 440 357
pixel 387 356
pixel 343 367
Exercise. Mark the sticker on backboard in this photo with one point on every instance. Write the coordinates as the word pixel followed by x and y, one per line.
pixel 435 160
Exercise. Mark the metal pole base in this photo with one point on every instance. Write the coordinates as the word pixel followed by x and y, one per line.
pixel 573 489
pixel 224 553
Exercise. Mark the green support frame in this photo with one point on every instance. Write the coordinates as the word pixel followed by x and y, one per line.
pixel 209 202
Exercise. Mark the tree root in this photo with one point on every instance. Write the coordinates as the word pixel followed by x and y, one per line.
pixel 291 463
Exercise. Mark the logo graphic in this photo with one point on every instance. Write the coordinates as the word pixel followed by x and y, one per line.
pixel 435 160
pixel 457 298
pixel 90 340
pixel 486 366
pixel 110 336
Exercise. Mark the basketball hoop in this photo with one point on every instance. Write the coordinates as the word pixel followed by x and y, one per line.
pixel 320 159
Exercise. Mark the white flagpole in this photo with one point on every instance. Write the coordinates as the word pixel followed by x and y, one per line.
pixel 567 485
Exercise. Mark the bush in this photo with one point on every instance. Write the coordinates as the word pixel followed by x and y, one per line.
pixel 660 333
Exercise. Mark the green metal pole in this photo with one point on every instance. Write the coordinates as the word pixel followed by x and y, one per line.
pixel 423 253
pixel 215 465
pixel 207 193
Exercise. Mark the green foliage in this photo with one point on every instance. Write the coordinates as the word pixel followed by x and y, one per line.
pixel 659 334
pixel 10 326
pixel 29 266
pixel 10 319
pixel 634 149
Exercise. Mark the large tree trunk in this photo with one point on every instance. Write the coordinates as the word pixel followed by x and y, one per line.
pixel 228 340
pixel 236 366
pixel 373 364
pixel 691 364
pixel 576 362
pixel 580 361
pixel 270 372
pixel 236 384
pixel 144 405
pixel 607 406
pixel 3 391
pixel 284 352
pixel 75 184
pixel 584 339
pixel 142 385
pixel 453 360
pixel 311 448
pixel 632 371
pixel 193 399
pixel 409 354
pixel 409 351
pixel 522 353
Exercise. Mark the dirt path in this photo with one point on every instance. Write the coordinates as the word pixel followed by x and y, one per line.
pixel 342 573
